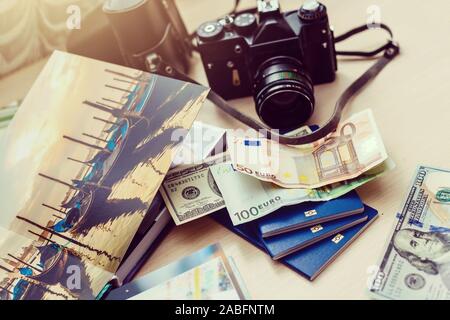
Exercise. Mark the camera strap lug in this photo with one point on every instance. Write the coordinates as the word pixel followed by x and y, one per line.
pixel 392 49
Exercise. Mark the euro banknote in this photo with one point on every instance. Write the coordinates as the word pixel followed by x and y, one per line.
pixel 195 191
pixel 354 148
pixel 248 199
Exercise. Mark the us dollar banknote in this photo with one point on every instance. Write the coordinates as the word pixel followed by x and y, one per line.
pixel 248 199
pixel 190 192
pixel 354 148
pixel 416 264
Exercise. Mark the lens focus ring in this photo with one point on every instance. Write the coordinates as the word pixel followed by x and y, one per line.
pixel 284 93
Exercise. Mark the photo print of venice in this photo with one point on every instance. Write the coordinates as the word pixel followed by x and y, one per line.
pixel 80 165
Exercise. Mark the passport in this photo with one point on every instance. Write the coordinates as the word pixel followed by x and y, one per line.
pixel 312 260
pixel 308 214
pixel 284 244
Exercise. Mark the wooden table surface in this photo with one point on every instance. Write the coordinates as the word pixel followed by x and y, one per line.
pixel 411 103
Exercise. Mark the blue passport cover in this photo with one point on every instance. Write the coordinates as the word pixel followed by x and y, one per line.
pixel 311 261
pixel 309 213
pixel 284 244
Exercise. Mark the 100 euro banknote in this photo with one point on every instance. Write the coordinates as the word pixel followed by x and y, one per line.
pixel 354 148
pixel 248 199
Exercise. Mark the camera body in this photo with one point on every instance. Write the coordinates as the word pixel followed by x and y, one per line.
pixel 242 53
pixel 276 57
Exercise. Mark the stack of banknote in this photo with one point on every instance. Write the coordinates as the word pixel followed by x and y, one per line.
pixel 293 202
pixel 259 176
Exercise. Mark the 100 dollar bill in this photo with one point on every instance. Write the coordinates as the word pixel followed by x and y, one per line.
pixel 416 264
pixel 354 148
pixel 248 199
pixel 190 192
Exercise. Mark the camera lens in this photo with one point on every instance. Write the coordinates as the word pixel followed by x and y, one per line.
pixel 284 93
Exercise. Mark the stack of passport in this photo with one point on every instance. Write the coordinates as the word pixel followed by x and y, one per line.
pixel 309 236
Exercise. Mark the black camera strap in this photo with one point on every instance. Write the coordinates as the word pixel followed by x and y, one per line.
pixel 391 50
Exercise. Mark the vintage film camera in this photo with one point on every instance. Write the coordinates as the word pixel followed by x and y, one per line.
pixel 276 57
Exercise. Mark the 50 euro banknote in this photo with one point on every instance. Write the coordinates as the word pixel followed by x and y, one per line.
pixel 354 148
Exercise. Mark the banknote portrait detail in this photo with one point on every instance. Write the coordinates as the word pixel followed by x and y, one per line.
pixel 427 251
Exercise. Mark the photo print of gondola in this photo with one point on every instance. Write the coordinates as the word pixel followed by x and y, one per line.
pixel 80 166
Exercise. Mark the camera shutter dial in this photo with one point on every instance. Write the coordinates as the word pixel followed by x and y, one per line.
pixel 210 31
pixel 312 10
pixel 245 23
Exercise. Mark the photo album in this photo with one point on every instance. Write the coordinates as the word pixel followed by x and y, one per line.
pixel 84 158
